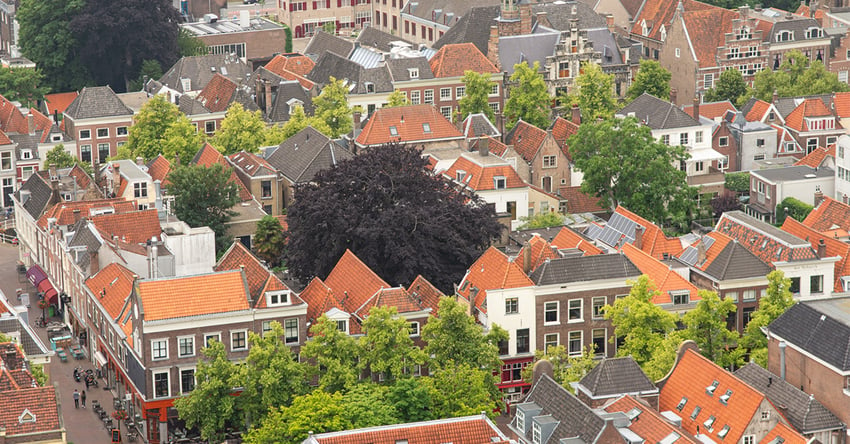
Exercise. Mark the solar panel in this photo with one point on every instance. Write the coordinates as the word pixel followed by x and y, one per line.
pixel 689 256
pixel 708 241
pixel 593 231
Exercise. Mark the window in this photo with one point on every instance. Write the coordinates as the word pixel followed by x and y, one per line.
pixel 550 161
pixel 758 157
pixel 831 140
pixel 816 283
pixel 811 144
pixel 708 81
pixel 426 128
pixel 494 89
pixel 699 166
pixel 550 340
pixel 209 126
pixel 342 326
pixel 394 131
pixel 159 349
pixel 723 141
pixel 208 338
pixel 26 172
pixel 680 297
pixel 414 329
pixel 563 70
pixel 678 53
pixel 723 432
pixel 522 341
pixel 795 285
pixel 536 434
pixel 26 154
pixel 102 133
pixel 599 342
pixel 682 404
pixel 511 306
pixel 277 297
pixel 428 96
pixel 161 386
pixel 186 346
pixel 732 296
pixel 598 307
pixel 749 295
pixel 499 182
pixel 85 134
pixel 710 389
pixel 102 151
pixel 696 411
pixel 6 160
pixel 266 189
pixel 574 343
pixel 140 189
pixel 267 327
pixel 290 329
pixel 494 106
pixel 748 439
pixel 121 131
pixel 460 91
pixel 840 152
pixel 724 399
pixel 709 423
pixel 550 312
pixel 683 138
pixel 414 97
pixel 238 340
pixel 665 139
pixel 574 310
pixel 187 380
pixel 446 111
pixel 520 419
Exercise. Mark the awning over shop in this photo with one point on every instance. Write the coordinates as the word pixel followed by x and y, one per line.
pixel 101 360
pixel 50 293
pixel 35 275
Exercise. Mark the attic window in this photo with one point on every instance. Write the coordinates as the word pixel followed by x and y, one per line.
pixel 26 416
pixel 709 422
pixel 696 411
pixel 723 432
pixel 459 175
pixel 633 413
pixel 413 72
pixel 682 403
pixel 724 399
pixel 277 297
pixel 426 127
pixel 394 131
pixel 499 182
pixel 710 389
pixel 26 154
pixel 370 87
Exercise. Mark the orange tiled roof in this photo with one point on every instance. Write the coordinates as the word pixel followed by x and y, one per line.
pixel 492 270
pixel 841 100
pixel 12 120
pixel 666 280
pixel 481 177
pixel 319 298
pixel 707 29
pixel 817 156
pixel 59 101
pixel 809 108
pixel 689 378
pixel 649 425
pixel 199 295
pixel 788 435
pixel 42 124
pixel 64 211
pixel 804 11
pixel 834 247
pixel 580 202
pixel 133 227
pixel 654 241
pixel 526 139
pixel 274 284
pixel 4 139
pixel 720 242
pixel 493 145
pixel 40 401
pixel 238 256
pixel 541 250
pixel 468 430
pixel 81 176
pixel 292 68
pixel 567 238
pixel 208 156
pixel 658 12
pixel 389 297
pixel 829 215
pixel 766 248
pixel 562 129
pixel 455 59
pixel 407 124
pixel 711 110
pixel 159 168
pixel 111 286
pixel 428 295
pixel 217 94
pixel 758 111
pixel 353 282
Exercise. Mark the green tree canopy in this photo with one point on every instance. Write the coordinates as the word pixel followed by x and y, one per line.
pixel 796 76
pixel 462 390
pixel 454 338
pixel 542 220
pixel 566 369
pixel 317 412
pixel 331 106
pixel 411 399
pixel 529 99
pixel 652 79
pixel 241 130
pixel 333 353
pixel 386 347
pixel 594 93
pixel 269 240
pixel 623 164
pixel 211 406
pixel 298 120
pixel 730 86
pixel 204 197
pixel 477 87
pixel 706 325
pixel 46 38
pixel 63 159
pixel 160 128
pixel 366 405
pixel 396 98
pixel 777 300
pixel 25 85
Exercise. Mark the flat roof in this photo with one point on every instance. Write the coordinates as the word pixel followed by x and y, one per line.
pixel 797 172
pixel 229 26
pixel 836 308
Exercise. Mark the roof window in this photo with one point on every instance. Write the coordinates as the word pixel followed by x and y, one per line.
pixel 426 127
pixel 394 131
pixel 724 399
pixel 710 389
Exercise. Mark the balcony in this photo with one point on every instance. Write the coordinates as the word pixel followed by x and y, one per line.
pixel 713 177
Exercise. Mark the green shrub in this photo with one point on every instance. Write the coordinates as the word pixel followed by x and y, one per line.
pixel 738 182
pixel 794 208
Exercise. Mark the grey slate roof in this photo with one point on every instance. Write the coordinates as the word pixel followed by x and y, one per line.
pixel 804 412
pixel 657 114
pixel 286 92
pixel 97 101
pixel 560 14
pixel 40 193
pixel 375 38
pixel 575 419
pixel 306 153
pixel 477 125
pixel 473 27
pixel 444 12
pixel 199 71
pixel 617 376
pixel 25 142
pixel 794 172
pixel 798 26
pixel 605 42
pixel 85 237
pixel 785 105
pixel 527 48
pixel 330 65
pixel 322 42
pixel 30 343
pixel 826 335
pixel 733 262
pixel 191 107
pixel 584 268
pixel 399 68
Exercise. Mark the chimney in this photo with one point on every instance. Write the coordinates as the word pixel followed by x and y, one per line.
pixel 116 176
pixel 525 18
pixel 55 197
pixel 30 123
pixel 673 95
pixel 493 46
pixel 52 171
pixel 94 265
pixel 775 96
pixel 782 346
pixel 267 89
pixel 484 146
pixel 526 258
pixel 609 20
pixel 76 215
pixel 696 107
pixel 702 254
pixel 638 243
pixel 157 186
pixel 575 114
pixel 818 197
pixel 543 19
pixel 56 116
pixel 821 249
pixel 140 161
pixel 357 117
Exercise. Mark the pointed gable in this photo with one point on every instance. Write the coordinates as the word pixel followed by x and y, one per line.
pixel 817 157
pixel 426 293
pixel 492 270
pixel 353 281
pixel 319 298
pixel 158 169
pixel 561 130
pixel 667 281
pixel 112 286
pixel 454 59
pixel 758 111
pixel 655 13
pixel 12 120
pixel 828 216
pixel 809 108
pixel 527 139
pixel 208 156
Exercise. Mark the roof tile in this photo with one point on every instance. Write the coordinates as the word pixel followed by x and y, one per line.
pixel 203 294
pixel 667 281
pixel 453 60
pixel 411 123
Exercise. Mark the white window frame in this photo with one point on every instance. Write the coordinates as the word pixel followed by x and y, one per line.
pixel 154 373
pixel 494 90
pixel 698 137
pixel 580 342
pixel 414 329
pixel 180 346
pixel 508 302
pixel 104 136
pixel 88 131
pixel 207 336
pixel 153 349
pixel 723 141
pixel 536 433
pixel 122 131
pixel 551 340
pixel 580 311
pixel 500 182
pixel 547 310
pixel 414 97
pixel 460 91
pixel 445 94
pixel 235 332
pixel 602 309
pixel 428 96
pixel 7 155
pixel 288 339
pixel 271 295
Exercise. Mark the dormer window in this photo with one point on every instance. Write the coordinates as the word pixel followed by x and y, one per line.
pixel 413 73
pixel 342 326
pixel 724 399
pixel 370 87
pixel 814 33
pixel 26 416
pixel 294 104
pixel 784 36
pixel 643 28
pixel 460 175
pixel 500 182
pixel 663 33
pixel 26 154
pixel 275 298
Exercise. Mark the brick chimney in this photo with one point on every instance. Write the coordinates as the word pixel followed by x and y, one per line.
pixel 357 117
pixel 575 114
pixel 818 197
pixel 696 107
pixel 525 18
pixel 267 90
pixel 775 96
pixel 702 253
pixel 493 46
pixel 526 258
pixel 821 249
pixel 30 123
pixel 77 214
pixel 116 177
pixel 52 170
pixel 94 265
pixel 673 95
pixel 638 243
pixel 484 146
pixel 609 20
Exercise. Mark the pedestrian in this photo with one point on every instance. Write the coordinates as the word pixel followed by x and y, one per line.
pixel 76 399
pixel 87 381
pixel 83 398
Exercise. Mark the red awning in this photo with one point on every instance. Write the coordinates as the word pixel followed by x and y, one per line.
pixel 52 296
pixel 44 285
pixel 36 275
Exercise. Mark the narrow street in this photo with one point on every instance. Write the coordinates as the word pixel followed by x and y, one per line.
pixel 83 426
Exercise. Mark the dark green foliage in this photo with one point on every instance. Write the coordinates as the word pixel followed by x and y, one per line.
pixel 288 45
pixel 652 79
pixel 791 207
pixel 723 202
pixel 394 215
pixel 738 182
pixel 411 399
pixel 189 45
pixel 730 86
pixel 150 70
pixel 269 240
pixel 25 85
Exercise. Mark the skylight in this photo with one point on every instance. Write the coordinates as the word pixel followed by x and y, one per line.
pixel 426 127
pixel 393 131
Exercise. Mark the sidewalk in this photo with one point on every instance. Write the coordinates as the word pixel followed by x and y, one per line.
pixel 82 425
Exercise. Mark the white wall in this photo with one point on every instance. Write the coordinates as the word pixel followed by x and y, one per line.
pixel 805 270
pixel 523 318
pixel 842 186
pixel 804 190
pixel 500 199
pixel 193 248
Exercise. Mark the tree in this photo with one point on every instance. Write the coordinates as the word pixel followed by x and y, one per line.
pixel 729 86
pixel 46 38
pixel 333 354
pixel 270 240
pixel 63 159
pixel 331 106
pixel 211 406
pixel 116 36
pixel 204 197
pixel 566 369
pixel 317 412
pixel 396 98
pixel 792 207
pixel 595 93
pixel 623 164
pixel 529 99
pixel 411 399
pixel 454 338
pixel 641 324
pixel 706 325
pixel 776 301
pixel 160 128
pixel 297 122
pixel 189 45
pixel 151 69
pixel 462 390
pixel 652 79
pixel 395 216
pixel 366 405
pixel 25 85
pixel 723 202
pixel 386 347
pixel 271 375
pixel 542 220
pixel 796 76
pixel 477 87
pixel 241 130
